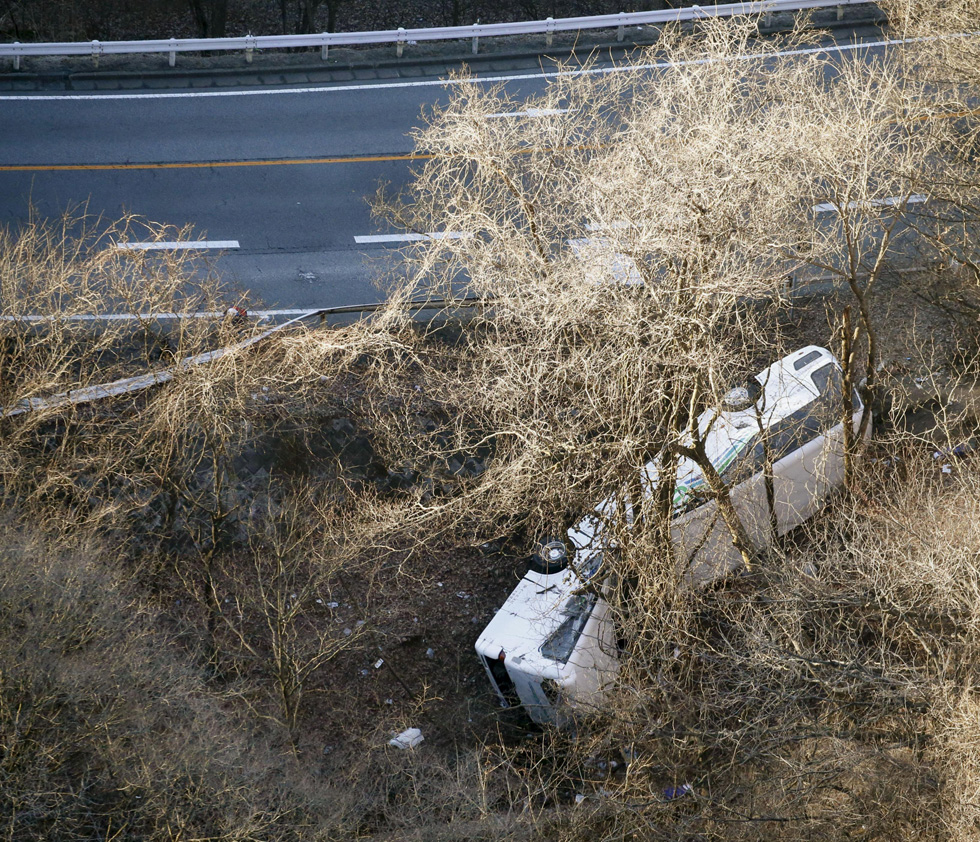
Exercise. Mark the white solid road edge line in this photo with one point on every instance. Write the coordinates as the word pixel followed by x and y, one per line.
pixel 180 244
pixel 364 239
pixel 446 83
pixel 147 317
pixel 534 112
pixel 890 201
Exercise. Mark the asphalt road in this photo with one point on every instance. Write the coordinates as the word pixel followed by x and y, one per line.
pixel 284 171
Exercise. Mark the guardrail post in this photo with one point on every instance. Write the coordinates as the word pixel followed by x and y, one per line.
pixel 96 50
pixel 324 48
pixel 549 37
pixel 787 285
pixel 400 49
pixel 172 56
pixel 16 57
pixel 767 19
pixel 249 47
pixel 840 13
pixel 621 29
pixel 476 38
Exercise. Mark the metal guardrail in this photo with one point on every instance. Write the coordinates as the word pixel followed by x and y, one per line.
pixel 128 385
pixel 400 37
pixel 88 394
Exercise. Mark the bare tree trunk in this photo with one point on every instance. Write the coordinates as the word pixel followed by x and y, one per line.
pixel 723 497
pixel 210 17
pixel 847 387
pixel 200 17
pixel 768 474
pixel 307 14
pixel 457 11
pixel 867 328
pixel 664 506
pixel 219 18
pixel 333 6
pixel 11 9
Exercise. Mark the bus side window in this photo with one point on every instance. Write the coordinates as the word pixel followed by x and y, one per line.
pixel 790 433
pixel 743 466
pixel 829 383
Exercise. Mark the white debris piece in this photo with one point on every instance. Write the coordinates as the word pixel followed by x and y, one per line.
pixel 409 738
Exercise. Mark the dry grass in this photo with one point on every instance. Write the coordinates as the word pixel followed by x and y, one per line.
pixel 191 701
pixel 107 730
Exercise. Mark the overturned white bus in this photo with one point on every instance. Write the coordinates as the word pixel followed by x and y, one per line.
pixel 553 640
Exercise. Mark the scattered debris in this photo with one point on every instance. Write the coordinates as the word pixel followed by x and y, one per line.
pixel 672 793
pixel 237 315
pixel 887 462
pixel 409 738
pixel 959 451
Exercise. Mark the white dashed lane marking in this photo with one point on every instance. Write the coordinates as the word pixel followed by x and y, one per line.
pixel 179 244
pixel 365 239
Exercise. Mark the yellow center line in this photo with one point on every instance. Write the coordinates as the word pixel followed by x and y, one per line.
pixel 280 162
pixel 185 165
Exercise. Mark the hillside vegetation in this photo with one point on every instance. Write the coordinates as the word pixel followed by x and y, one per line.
pixel 222 596
pixel 116 20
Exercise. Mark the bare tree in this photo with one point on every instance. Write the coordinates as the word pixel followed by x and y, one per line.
pixel 943 52
pixel 629 236
pixel 279 614
pixel 617 232
pixel 59 284
pixel 97 704
pixel 163 466
pixel 308 14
